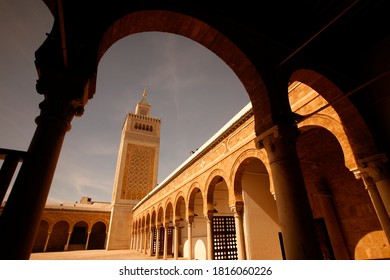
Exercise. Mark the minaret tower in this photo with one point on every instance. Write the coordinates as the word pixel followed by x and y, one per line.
pixel 136 171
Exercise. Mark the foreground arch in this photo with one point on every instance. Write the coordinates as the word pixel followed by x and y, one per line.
pixel 263 56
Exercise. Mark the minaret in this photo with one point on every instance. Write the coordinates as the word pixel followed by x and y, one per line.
pixel 136 171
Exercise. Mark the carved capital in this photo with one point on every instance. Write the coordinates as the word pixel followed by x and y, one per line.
pixel 64 98
pixel 278 141
pixel 375 167
pixel 209 216
pixel 190 220
pixel 238 208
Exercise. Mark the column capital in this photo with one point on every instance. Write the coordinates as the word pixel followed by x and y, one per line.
pixel 375 167
pixel 368 181
pixel 278 141
pixel 237 208
pixel 64 99
pixel 209 216
pixel 190 219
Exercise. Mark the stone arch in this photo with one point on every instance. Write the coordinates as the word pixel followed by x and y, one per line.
pixel 193 191
pixel 59 236
pixel 160 215
pixel 361 140
pixel 179 203
pixel 337 130
pixel 215 177
pixel 330 186
pixel 235 175
pixel 78 238
pixel 143 221
pixel 257 205
pixel 168 213
pixel 97 238
pixel 148 219
pixel 202 33
pixel 153 217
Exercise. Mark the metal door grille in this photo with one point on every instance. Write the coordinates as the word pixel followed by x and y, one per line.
pixel 170 240
pixel 154 241
pixel 161 242
pixel 224 237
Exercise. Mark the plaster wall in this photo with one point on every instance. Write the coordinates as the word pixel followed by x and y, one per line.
pixel 260 219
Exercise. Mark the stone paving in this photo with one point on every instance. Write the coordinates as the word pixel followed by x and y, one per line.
pixel 92 255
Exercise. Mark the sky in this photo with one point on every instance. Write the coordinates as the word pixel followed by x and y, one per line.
pixel 190 89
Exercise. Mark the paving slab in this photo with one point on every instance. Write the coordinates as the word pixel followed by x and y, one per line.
pixel 92 255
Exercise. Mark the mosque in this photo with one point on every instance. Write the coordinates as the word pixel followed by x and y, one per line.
pixel 301 172
pixel 221 202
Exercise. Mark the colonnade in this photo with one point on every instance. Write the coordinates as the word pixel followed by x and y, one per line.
pixel 147 239
pixel 294 211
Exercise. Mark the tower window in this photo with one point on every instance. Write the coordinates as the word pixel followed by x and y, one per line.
pixel 143 127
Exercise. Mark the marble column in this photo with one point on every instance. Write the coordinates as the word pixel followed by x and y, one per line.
pixel 86 243
pixel 376 167
pixel 295 216
pixel 325 199
pixel 176 240
pixel 189 225
pixel 237 210
pixel 377 202
pixel 47 241
pixel 146 240
pixel 151 238
pixel 210 243
pixel 67 241
pixel 132 241
pixel 141 240
pixel 157 241
pixel 31 188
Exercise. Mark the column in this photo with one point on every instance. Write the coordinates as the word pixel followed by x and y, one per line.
pixel 86 243
pixel 157 240
pixel 210 243
pixel 151 240
pixel 133 237
pixel 105 241
pixel 376 202
pixel 376 167
pixel 325 199
pixel 32 185
pixel 295 216
pixel 132 241
pixel 141 240
pixel 189 225
pixel 237 210
pixel 47 241
pixel 176 240
pixel 67 241
pixel 138 240
pixel 146 240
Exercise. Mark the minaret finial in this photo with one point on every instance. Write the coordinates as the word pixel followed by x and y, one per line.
pixel 144 94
